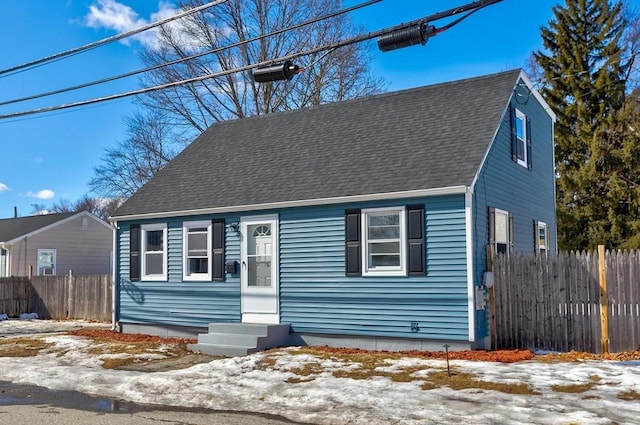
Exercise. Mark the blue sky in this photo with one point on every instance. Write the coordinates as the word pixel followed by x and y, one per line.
pixel 48 157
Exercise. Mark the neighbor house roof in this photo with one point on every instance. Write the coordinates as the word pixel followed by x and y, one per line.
pixel 12 228
pixel 418 139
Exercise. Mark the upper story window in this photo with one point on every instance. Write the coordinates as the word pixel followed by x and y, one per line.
pixel 197 250
pixel 154 251
pixel 540 229
pixel 521 138
pixel 384 241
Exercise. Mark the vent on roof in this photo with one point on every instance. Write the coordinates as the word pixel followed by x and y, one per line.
pixel 405 37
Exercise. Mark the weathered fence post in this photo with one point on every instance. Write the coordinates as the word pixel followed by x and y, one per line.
pixel 70 313
pixel 492 302
pixel 604 314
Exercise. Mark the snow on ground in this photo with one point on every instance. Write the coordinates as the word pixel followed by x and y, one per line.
pixel 240 384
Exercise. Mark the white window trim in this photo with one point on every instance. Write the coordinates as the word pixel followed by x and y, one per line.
pixel 185 254
pixel 523 140
pixel 55 260
pixel 384 271
pixel 143 252
pixel 497 212
pixel 545 247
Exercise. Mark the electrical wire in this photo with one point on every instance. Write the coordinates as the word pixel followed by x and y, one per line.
pixel 330 47
pixel 20 68
pixel 195 56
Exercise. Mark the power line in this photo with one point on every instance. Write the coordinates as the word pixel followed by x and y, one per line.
pixel 195 56
pixel 93 45
pixel 330 47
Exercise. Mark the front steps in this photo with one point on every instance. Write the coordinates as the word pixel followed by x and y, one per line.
pixel 240 339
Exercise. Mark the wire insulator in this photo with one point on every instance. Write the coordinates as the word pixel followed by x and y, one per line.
pixel 405 37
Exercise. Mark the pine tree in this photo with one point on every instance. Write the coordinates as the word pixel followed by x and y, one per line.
pixel 585 70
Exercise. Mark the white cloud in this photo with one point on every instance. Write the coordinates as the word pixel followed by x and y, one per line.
pixel 112 15
pixel 43 194
pixel 38 160
pixel 4 188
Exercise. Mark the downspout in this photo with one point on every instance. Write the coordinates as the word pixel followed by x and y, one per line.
pixel 471 289
pixel 114 278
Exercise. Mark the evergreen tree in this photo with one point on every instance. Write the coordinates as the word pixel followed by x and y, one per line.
pixel 585 68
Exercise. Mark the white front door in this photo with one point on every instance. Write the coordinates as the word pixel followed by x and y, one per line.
pixel 259 269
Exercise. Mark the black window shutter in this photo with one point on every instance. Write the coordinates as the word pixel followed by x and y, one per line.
pixel 535 236
pixel 353 259
pixel 134 252
pixel 217 261
pixel 529 163
pixel 415 239
pixel 514 133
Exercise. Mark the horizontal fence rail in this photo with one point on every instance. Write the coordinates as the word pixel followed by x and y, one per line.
pixel 557 303
pixel 86 297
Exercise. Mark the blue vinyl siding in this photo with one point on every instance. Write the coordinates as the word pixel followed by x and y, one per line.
pixel 504 184
pixel 317 297
pixel 176 302
pixel 315 294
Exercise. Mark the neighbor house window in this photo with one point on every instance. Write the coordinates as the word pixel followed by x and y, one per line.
pixel 540 229
pixel 384 241
pixel 197 250
pixel 154 251
pixel 500 231
pixel 46 262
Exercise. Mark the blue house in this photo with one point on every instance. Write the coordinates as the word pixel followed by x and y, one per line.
pixel 362 223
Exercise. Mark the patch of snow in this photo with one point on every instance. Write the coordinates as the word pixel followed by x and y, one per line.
pixel 3 317
pixel 29 316
pixel 240 384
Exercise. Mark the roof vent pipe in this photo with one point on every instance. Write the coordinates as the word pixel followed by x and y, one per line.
pixel 405 37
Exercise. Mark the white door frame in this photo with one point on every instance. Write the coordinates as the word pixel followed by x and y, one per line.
pixel 259 304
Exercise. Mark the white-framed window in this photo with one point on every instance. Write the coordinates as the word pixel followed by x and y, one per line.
pixel 501 236
pixel 196 248
pixel 384 241
pixel 521 138
pixel 154 251
pixel 46 262
pixel 541 236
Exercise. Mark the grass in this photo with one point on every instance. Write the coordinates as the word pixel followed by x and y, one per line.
pixel 362 366
pixel 22 347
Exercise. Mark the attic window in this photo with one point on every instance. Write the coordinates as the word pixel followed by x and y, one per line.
pixel 521 132
pixel 85 222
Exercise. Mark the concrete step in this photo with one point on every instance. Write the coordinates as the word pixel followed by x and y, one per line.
pixel 239 339
pixel 222 350
pixel 229 339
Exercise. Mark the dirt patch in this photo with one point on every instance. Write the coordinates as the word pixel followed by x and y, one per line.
pixel 142 351
pixel 503 356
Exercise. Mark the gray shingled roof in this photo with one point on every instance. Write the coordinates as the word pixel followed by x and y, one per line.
pixel 429 137
pixel 11 228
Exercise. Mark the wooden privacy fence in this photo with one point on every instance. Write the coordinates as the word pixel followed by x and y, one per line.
pixel 571 301
pixel 85 297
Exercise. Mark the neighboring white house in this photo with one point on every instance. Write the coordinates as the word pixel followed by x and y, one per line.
pixel 53 244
